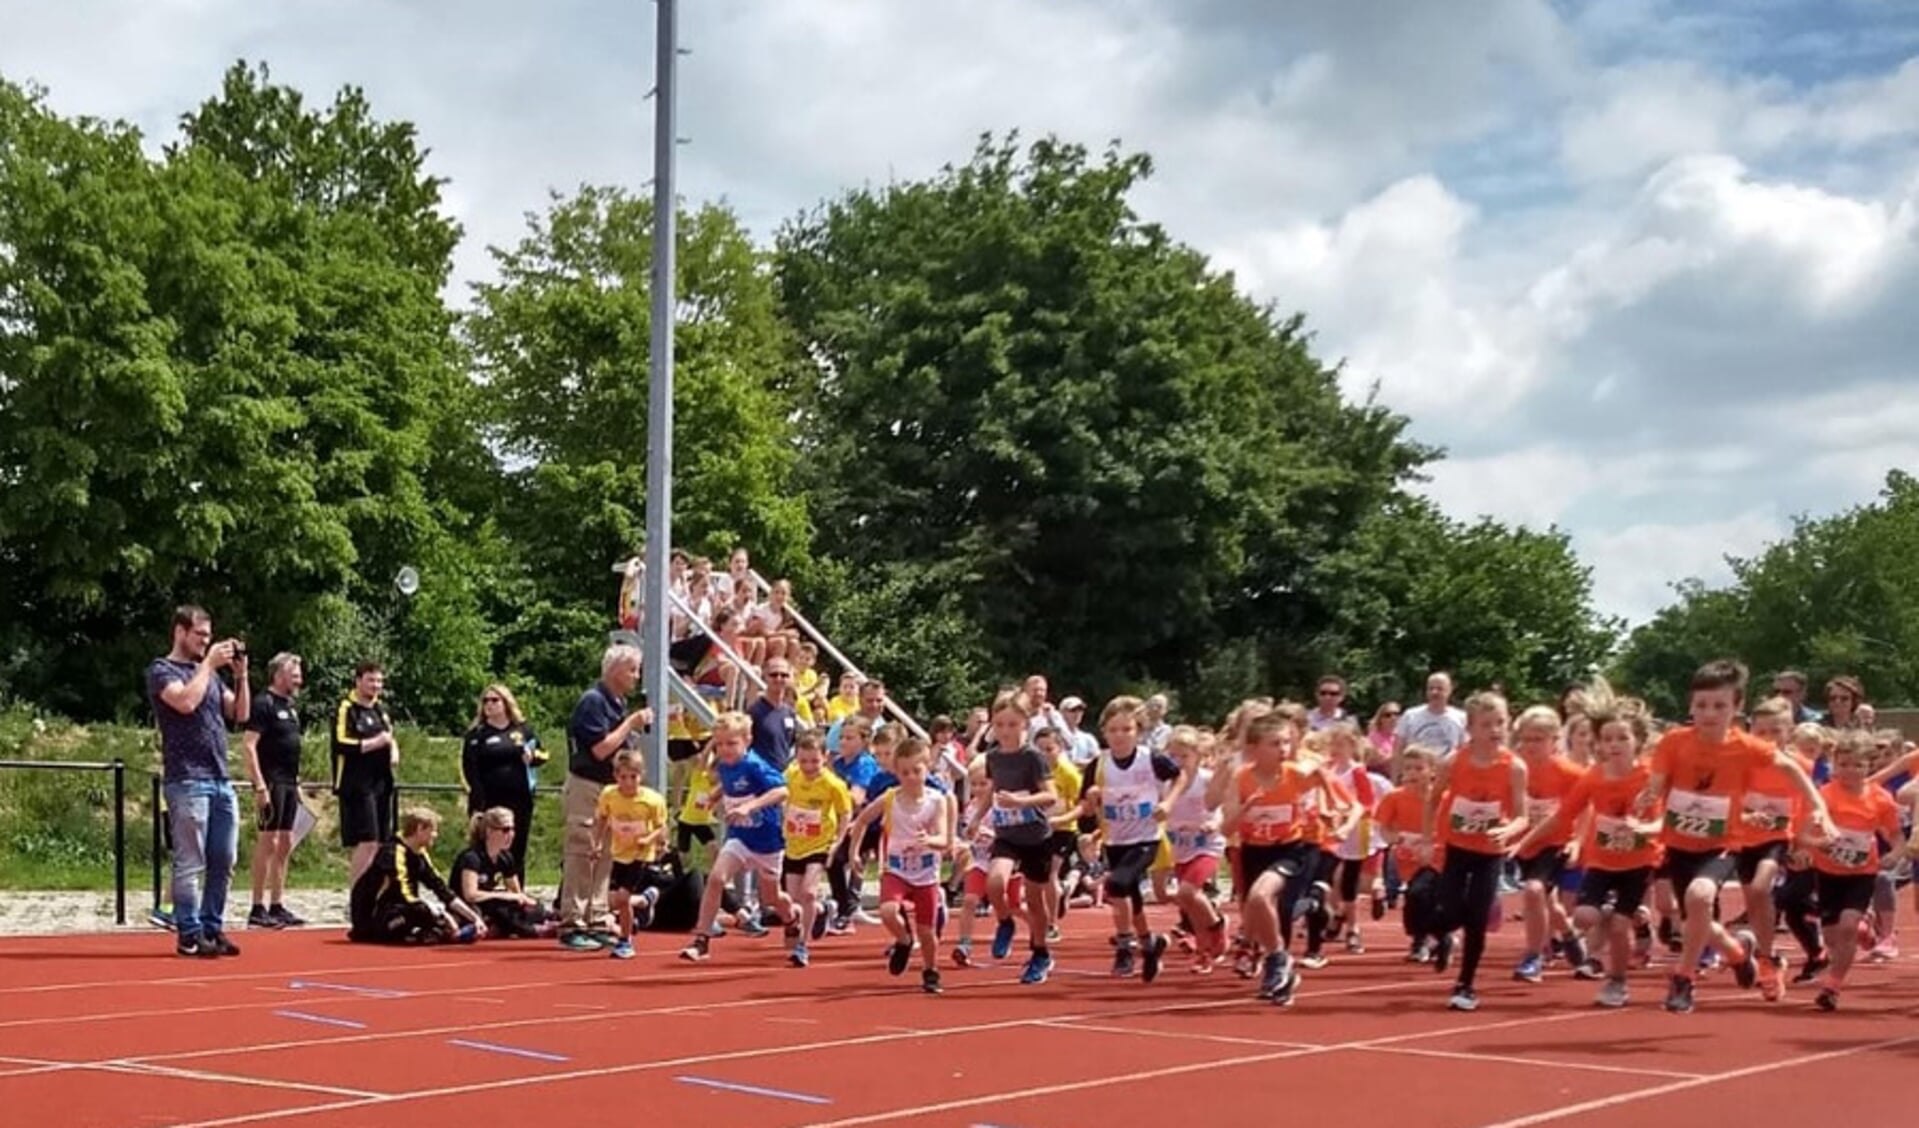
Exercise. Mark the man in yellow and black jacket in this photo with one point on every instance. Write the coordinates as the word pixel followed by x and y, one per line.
pixel 386 906
pixel 363 757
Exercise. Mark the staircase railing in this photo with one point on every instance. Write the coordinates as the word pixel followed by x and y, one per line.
pixel 819 639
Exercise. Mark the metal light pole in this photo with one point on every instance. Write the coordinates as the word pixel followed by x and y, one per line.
pixel 659 397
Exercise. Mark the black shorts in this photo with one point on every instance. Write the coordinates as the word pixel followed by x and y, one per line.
pixel 1844 892
pixel 796 867
pixel 1622 891
pixel 1545 867
pixel 686 834
pixel 680 751
pixel 1683 867
pixel 282 803
pixel 366 814
pixel 1746 862
pixel 1126 867
pixel 1065 844
pixel 637 877
pixel 1033 860
pixel 1292 860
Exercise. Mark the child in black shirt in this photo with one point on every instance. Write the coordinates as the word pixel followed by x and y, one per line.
pixel 386 907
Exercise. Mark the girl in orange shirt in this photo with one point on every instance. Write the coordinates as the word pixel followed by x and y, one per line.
pixel 1480 808
pixel 1618 850
pixel 1770 810
pixel 1848 858
pixel 1266 803
pixel 1549 776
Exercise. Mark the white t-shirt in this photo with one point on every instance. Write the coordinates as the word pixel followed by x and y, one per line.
pixel 1445 730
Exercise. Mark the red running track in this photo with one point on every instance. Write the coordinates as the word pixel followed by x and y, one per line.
pixel 307 1031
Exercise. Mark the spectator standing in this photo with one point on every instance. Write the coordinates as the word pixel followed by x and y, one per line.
pixel 1380 736
pixel 872 707
pixel 1329 703
pixel 1155 732
pixel 1082 747
pixel 776 723
pixel 1045 714
pixel 191 707
pixel 1845 695
pixel 1791 685
pixel 273 763
pixel 600 728
pixel 1437 724
pixel 500 758
pixel 364 755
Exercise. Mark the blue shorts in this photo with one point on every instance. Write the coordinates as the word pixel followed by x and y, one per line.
pixel 1570 880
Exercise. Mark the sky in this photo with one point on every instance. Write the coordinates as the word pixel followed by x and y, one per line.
pixel 1648 270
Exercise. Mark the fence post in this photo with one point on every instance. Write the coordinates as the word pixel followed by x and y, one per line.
pixel 158 847
pixel 119 841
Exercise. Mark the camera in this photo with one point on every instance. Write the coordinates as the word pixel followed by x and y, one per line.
pixel 239 650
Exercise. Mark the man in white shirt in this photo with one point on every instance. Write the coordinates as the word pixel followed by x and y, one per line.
pixel 1436 724
pixel 1158 732
pixel 1082 747
pixel 1330 697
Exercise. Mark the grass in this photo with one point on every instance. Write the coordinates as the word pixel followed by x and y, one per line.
pixel 56 827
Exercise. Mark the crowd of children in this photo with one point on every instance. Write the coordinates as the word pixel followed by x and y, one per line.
pixel 1609 825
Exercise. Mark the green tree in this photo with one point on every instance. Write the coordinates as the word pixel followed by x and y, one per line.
pixel 223 381
pixel 1110 458
pixel 561 342
pixel 1837 596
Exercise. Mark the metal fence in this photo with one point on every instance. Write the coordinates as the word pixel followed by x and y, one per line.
pixel 118 770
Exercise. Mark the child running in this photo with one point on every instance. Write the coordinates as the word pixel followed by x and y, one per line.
pixel 1017 793
pixel 629 825
pixel 750 794
pixel 1770 815
pixel 1126 786
pixel 1401 819
pixel 1482 787
pixel 1266 805
pixel 914 823
pixel 1193 828
pixel 818 803
pixel 1700 772
pixel 1618 849
pixel 1847 859
pixel 1549 776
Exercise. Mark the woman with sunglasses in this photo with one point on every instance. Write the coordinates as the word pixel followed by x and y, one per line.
pixel 498 761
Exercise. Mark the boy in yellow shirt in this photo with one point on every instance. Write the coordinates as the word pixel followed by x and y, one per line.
pixel 818 804
pixel 1063 817
pixel 630 823
pixel 696 813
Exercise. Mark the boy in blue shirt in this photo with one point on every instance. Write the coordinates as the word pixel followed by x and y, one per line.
pixel 749 796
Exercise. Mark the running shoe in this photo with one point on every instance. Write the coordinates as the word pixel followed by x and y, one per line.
pixel 1828 999
pixel 1273 972
pixel 1530 970
pixel 820 921
pixel 1151 954
pixel 1612 994
pixel 698 950
pixel 1679 995
pixel 841 926
pixel 930 982
pixel 286 917
pixel 1443 953
pixel 963 955
pixel 1313 960
pixel 1288 985
pixel 1815 967
pixel 1378 901
pixel 897 957
pixel 220 944
pixel 1038 967
pixel 262 918
pixel 1003 938
pixel 1354 945
pixel 1464 999
pixel 1589 969
pixel 193 948
pixel 751 925
pixel 623 950
pixel 578 942
pixel 1122 961
pixel 799 957
pixel 1746 971
pixel 1772 978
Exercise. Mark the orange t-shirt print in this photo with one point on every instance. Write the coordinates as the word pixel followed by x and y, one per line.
pixel 1705 785
pixel 1476 800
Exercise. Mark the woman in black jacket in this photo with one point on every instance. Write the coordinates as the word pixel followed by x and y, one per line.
pixel 497 766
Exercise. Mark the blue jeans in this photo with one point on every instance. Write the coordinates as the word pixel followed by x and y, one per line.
pixel 205 817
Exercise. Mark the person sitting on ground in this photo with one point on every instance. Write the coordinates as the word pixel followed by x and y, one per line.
pixel 386 906
pixel 486 875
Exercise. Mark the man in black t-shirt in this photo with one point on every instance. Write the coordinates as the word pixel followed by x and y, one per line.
pixel 273 762
pixel 363 757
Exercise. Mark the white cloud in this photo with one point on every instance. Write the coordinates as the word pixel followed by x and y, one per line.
pixel 1622 582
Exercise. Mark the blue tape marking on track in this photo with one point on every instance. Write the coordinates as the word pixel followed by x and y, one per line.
pixel 755 1090
pixel 322 1019
pixel 372 992
pixel 515 1051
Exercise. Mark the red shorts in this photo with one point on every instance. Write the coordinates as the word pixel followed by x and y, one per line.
pixel 975 886
pixel 922 899
pixel 1197 870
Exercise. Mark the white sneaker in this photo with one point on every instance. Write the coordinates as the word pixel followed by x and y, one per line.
pixel 1612 994
pixel 866 918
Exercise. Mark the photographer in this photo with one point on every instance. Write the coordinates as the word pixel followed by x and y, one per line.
pixel 191 708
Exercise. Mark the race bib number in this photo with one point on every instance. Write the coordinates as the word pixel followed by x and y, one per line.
pixel 1852 849
pixel 1274 818
pixel 1617 836
pixel 1693 815
pixel 913 865
pixel 1541 811
pixel 1127 811
pixel 803 822
pixel 1192 840
pixel 628 831
pixel 1768 812
pixel 1013 816
pixel 1471 817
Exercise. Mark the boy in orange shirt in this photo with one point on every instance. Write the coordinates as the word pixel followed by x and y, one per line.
pixel 1401 817
pixel 1700 772
pixel 1847 859
pixel 1769 818
pixel 1618 851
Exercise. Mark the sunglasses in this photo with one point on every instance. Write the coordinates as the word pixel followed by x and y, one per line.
pixel 777 675
pixel 1389 714
pixel 1330 693
pixel 492 700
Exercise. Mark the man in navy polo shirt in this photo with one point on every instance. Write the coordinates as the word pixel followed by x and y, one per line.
pixel 191 707
pixel 600 727
pixel 776 723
